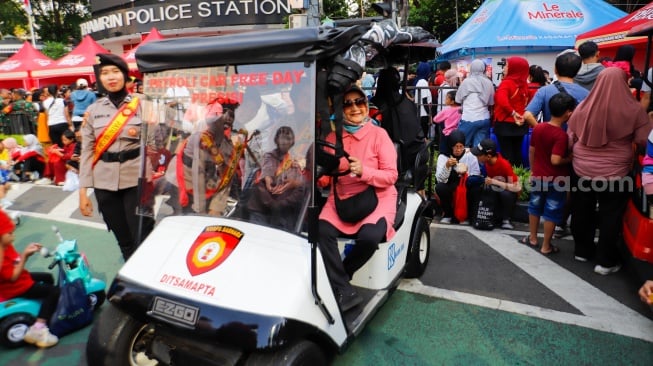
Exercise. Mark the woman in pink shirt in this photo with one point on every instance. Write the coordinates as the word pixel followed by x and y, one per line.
pixel 372 162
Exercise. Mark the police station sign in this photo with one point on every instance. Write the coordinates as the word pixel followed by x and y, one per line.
pixel 185 14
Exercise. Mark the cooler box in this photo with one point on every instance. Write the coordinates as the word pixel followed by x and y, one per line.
pixel 638 233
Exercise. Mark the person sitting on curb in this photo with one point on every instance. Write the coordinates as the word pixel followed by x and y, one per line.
pixel 449 169
pixel 502 179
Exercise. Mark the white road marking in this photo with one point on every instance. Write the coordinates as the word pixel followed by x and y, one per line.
pixel 600 311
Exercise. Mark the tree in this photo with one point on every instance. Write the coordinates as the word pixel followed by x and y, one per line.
pixel 59 20
pixel 443 24
pixel 54 50
pixel 12 14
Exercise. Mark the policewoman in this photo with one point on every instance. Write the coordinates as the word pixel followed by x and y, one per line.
pixel 110 158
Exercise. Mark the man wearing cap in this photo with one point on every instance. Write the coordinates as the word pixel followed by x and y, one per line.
pixel 81 98
pixel 111 156
pixel 502 179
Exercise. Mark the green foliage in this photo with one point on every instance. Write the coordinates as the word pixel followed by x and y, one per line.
pixel 60 20
pixel 335 9
pixel 439 16
pixel 11 15
pixel 54 50
pixel 524 175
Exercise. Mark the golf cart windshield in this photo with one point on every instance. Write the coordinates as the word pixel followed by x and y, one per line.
pixel 232 141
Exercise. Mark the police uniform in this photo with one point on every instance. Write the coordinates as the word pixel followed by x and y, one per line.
pixel 115 175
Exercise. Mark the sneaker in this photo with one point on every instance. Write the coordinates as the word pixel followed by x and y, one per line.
pixel 507 225
pixel 560 232
pixel 580 259
pixel 606 270
pixel 43 182
pixel 349 300
pixel 41 337
pixel 445 220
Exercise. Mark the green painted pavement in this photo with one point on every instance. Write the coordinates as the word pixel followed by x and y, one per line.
pixel 411 329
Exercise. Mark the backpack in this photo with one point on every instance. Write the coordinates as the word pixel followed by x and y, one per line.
pixel 484 219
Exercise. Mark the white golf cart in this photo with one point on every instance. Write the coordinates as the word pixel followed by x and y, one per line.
pixel 239 287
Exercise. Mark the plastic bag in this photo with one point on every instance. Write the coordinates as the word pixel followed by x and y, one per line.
pixel 484 219
pixel 71 183
pixel 460 200
pixel 74 310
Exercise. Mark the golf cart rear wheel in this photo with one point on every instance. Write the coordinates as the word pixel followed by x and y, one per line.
pixel 117 339
pixel 13 329
pixel 301 353
pixel 419 250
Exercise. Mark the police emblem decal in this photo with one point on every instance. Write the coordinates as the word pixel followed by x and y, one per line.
pixel 211 248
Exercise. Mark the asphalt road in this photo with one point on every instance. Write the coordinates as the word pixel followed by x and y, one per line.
pixel 485 299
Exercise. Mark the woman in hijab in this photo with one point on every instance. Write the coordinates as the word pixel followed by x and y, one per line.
pixel 510 102
pixel 449 169
pixel 602 131
pixel 475 95
pixel 372 162
pixel 111 165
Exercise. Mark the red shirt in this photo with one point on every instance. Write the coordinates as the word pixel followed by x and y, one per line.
pixel 9 289
pixel 501 170
pixel 548 140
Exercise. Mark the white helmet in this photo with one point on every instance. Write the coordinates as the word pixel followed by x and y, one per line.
pixel 82 83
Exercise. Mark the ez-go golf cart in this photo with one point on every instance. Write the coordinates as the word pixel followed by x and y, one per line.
pixel 239 288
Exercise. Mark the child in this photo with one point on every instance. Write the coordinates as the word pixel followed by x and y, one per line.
pixel 502 179
pixel 549 161
pixel 59 155
pixel 16 281
pixel 451 117
pixel 30 164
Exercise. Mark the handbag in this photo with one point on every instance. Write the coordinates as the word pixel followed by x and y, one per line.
pixel 356 207
pixel 484 219
pixel 460 200
pixel 73 309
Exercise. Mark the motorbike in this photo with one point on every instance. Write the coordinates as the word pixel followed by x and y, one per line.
pixel 18 314
pixel 231 280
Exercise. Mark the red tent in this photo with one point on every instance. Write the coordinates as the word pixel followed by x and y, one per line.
pixel 612 35
pixel 130 56
pixel 78 63
pixel 16 71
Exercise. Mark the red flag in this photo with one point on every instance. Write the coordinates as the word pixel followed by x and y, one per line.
pixel 28 6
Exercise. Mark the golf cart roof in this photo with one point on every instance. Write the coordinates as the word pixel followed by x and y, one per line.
pixel 287 45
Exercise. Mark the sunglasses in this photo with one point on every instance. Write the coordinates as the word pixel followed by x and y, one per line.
pixel 358 101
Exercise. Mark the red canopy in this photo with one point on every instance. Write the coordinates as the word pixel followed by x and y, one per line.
pixel 16 71
pixel 130 56
pixel 78 63
pixel 612 35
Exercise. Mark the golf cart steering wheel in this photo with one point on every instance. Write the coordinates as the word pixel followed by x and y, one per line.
pixel 330 162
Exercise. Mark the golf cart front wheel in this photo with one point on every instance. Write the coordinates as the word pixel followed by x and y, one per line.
pixel 13 329
pixel 300 353
pixel 117 339
pixel 419 250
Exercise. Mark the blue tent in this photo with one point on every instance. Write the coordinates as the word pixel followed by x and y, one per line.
pixel 526 26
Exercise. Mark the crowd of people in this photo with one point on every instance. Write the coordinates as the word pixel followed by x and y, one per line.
pixel 587 129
